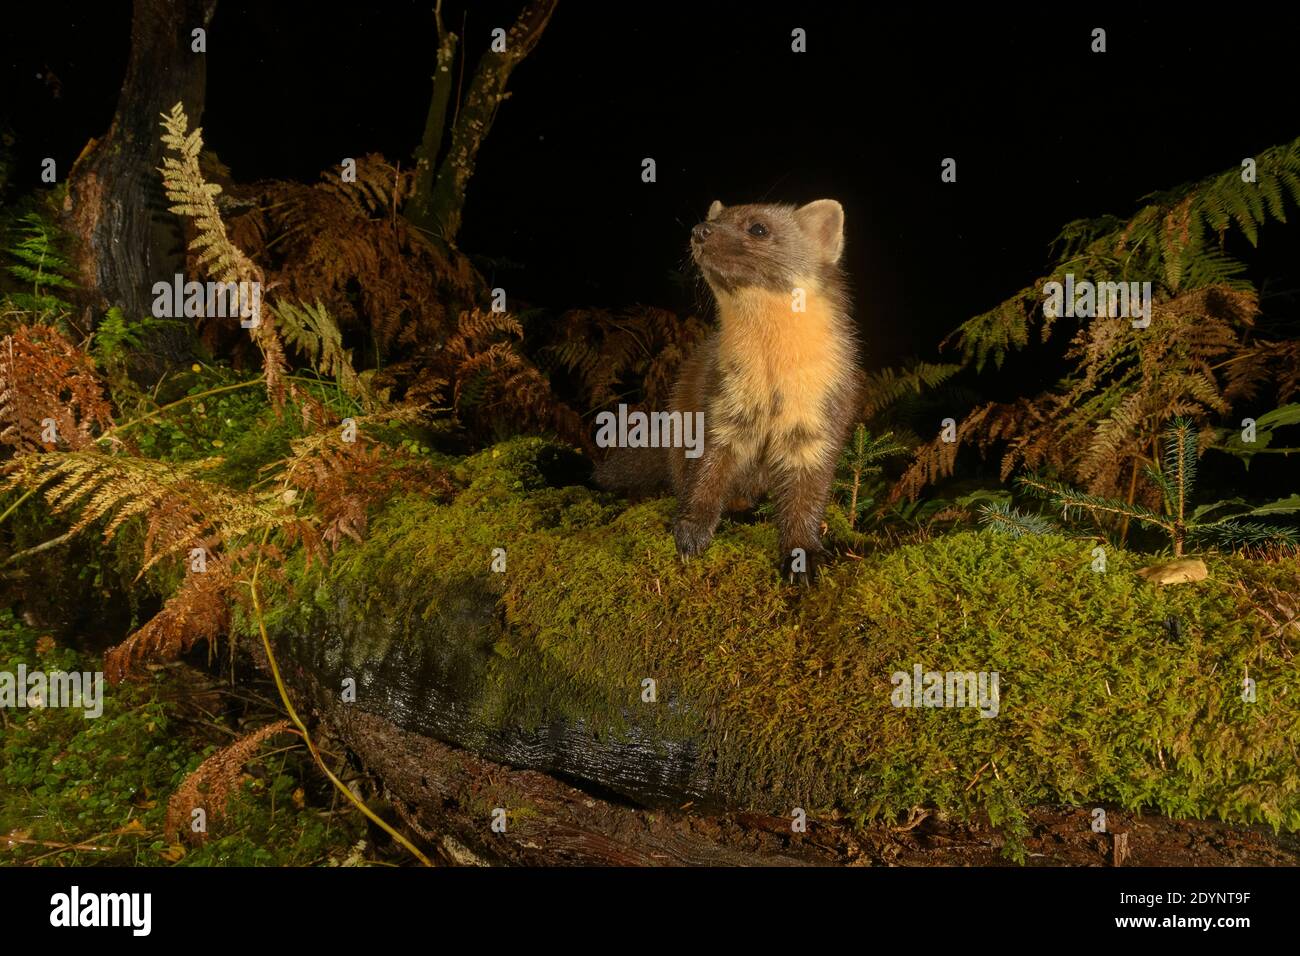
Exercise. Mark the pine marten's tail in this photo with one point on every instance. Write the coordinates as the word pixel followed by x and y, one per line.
pixel 635 472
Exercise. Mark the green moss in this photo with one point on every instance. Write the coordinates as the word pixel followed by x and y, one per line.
pixel 787 693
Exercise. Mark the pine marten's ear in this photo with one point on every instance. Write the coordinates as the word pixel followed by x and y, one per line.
pixel 823 222
pixel 714 211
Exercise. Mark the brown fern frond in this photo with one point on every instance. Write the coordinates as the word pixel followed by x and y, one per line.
pixel 343 480
pixel 629 355
pixel 494 386
pixel 342 244
pixel 45 379
pixel 199 610
pixel 1102 422
pixel 180 510
pixel 1284 359
pixel 476 328
pixel 379 189
pixel 937 458
pixel 210 786
pixel 1270 365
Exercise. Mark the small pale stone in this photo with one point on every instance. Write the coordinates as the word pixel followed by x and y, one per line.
pixel 1176 572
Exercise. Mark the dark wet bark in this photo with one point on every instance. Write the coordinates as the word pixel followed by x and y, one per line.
pixel 425 688
pixel 449 795
pixel 115 204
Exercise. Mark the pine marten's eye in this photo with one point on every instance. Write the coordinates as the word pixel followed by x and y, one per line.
pixel 758 229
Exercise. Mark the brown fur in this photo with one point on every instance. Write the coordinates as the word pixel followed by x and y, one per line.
pixel 779 388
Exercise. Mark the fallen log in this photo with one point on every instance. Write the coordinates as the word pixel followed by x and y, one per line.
pixel 539 637
pixel 478 812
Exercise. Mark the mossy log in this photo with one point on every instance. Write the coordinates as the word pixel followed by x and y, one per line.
pixel 536 624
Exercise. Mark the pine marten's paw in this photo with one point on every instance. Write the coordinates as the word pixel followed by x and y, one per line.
pixel 803 566
pixel 691 537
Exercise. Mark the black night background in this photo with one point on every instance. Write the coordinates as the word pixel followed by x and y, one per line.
pixel 1044 131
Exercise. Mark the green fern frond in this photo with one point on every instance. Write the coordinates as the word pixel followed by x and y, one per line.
pixel 1175 234
pixel 887 386
pixel 114 337
pixel 37 260
pixel 314 333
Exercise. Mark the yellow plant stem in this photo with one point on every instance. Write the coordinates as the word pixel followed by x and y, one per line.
pixel 293 715
pixel 10 510
pixel 116 429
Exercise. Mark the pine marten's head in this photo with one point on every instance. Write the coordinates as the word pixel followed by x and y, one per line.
pixel 768 245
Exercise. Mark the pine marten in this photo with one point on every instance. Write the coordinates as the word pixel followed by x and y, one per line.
pixel 778 381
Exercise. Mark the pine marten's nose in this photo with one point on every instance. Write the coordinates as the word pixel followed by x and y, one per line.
pixel 701 232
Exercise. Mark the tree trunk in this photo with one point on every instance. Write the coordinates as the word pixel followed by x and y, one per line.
pixel 419 209
pixel 439 197
pixel 115 204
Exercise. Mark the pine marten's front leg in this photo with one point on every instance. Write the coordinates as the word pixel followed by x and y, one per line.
pixel 801 496
pixel 704 486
